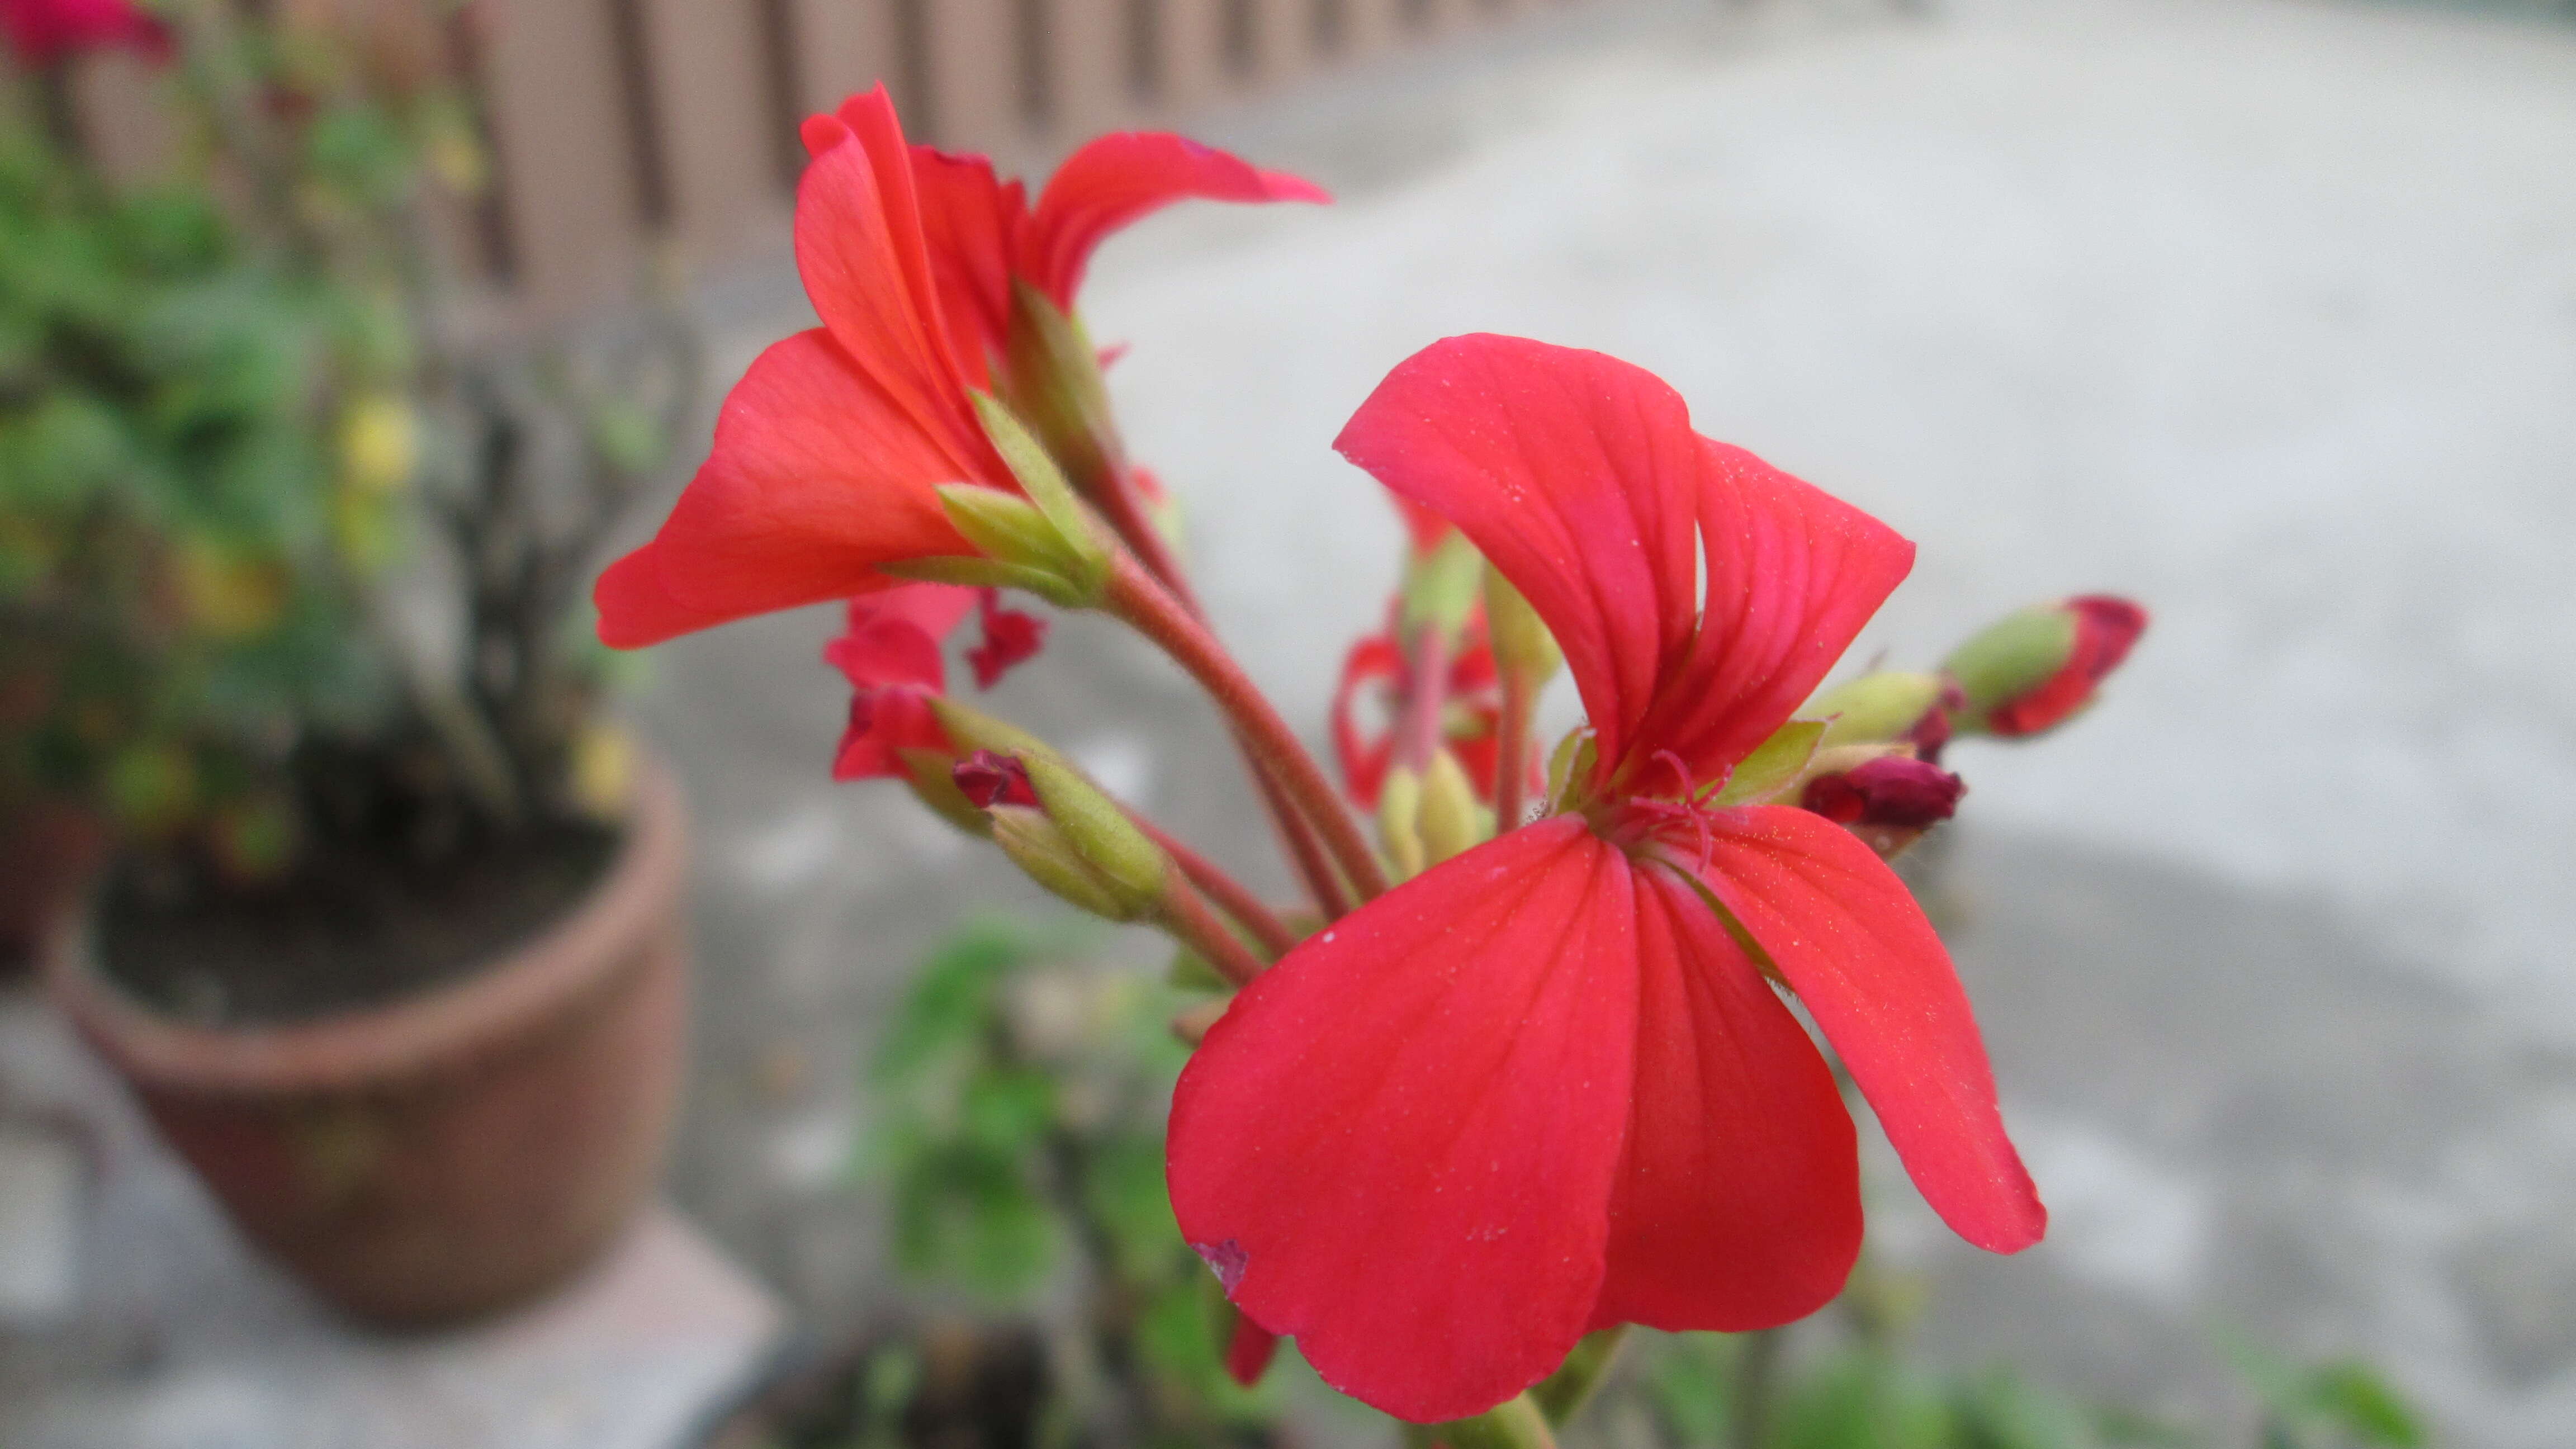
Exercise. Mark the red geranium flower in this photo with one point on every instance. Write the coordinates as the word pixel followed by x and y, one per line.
pixel 45 31
pixel 829 452
pixel 1541 1088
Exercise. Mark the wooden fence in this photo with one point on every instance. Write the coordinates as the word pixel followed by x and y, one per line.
pixel 622 129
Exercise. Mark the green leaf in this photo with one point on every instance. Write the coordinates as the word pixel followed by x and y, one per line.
pixel 2353 1396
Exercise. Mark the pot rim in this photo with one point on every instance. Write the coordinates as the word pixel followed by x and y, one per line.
pixel 410 1036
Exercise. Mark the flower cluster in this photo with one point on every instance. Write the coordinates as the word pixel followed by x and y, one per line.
pixel 1523 1068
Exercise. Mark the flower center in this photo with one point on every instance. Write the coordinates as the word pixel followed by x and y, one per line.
pixel 1671 828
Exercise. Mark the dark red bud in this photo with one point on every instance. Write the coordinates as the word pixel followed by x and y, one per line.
pixel 991 779
pixel 1931 734
pixel 1891 790
pixel 2106 627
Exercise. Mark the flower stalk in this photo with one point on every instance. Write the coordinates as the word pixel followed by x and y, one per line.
pixel 1136 599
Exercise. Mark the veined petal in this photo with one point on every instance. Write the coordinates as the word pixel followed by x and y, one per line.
pixel 815 479
pixel 1398 1144
pixel 860 250
pixel 1852 943
pixel 1579 477
pixel 1792 574
pixel 977 229
pixel 1738 1201
pixel 1119 178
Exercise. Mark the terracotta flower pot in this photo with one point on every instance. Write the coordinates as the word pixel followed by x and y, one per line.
pixel 456 1152
pixel 49 851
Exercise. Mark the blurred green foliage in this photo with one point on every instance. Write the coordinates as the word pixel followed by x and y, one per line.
pixel 172 595
pixel 1021 1090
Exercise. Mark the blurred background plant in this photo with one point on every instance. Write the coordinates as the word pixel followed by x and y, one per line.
pixel 292 526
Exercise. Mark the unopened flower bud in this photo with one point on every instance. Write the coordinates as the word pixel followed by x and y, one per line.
pixel 932 776
pixel 1892 790
pixel 2031 670
pixel 1451 821
pixel 1440 587
pixel 1876 708
pixel 1039 848
pixel 1098 828
pixel 1522 643
pixel 1043 540
pixel 1399 821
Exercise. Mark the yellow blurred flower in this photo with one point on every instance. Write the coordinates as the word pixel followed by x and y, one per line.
pixel 379 443
pixel 603 771
pixel 230 597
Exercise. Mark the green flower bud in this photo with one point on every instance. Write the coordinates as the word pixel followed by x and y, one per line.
pixel 1450 818
pixel 1041 850
pixel 2011 657
pixel 1399 815
pixel 1098 828
pixel 1522 643
pixel 1440 587
pixel 1875 708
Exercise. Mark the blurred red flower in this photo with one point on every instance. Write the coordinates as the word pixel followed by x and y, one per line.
pixel 46 31
pixel 829 452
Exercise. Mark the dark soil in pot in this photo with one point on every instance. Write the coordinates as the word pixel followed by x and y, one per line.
pixel 357 927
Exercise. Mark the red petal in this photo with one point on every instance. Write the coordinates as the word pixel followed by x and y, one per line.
pixel 1738 1205
pixel 1855 947
pixel 1398 1143
pixel 977 230
pixel 883 723
pixel 860 250
pixel 1363 759
pixel 1249 1351
pixel 1012 637
pixel 893 635
pixel 1578 476
pixel 814 480
pixel 1792 574
pixel 1119 178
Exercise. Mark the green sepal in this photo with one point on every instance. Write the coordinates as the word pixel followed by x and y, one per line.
pixel 1774 765
pixel 1513 1424
pixel 1564 1391
pixel 1573 760
pixel 979 573
pixel 1055 383
pixel 1078 546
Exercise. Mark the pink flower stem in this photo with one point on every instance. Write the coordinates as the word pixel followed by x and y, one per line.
pixel 1120 505
pixel 1145 605
pixel 1228 894
pixel 1426 702
pixel 1187 917
pixel 1511 749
